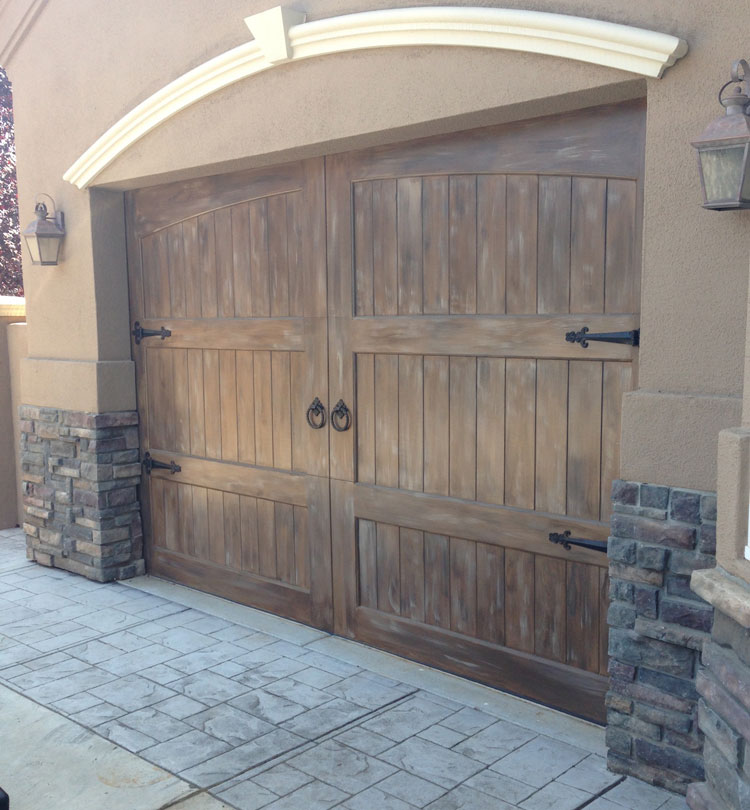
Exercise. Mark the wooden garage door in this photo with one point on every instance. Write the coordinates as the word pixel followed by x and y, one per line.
pixel 456 267
pixel 234 267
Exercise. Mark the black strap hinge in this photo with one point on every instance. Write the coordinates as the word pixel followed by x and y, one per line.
pixel 150 463
pixel 139 332
pixel 631 338
pixel 566 541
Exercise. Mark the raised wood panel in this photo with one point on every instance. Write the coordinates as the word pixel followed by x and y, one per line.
pixel 229 405
pixel 261 536
pixel 544 605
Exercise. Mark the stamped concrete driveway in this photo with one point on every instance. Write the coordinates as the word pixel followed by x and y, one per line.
pixel 222 703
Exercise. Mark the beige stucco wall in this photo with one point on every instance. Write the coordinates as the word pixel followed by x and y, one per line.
pixel 99 60
pixel 10 313
pixel 16 334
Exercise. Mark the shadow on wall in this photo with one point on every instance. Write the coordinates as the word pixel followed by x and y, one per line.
pixel 12 350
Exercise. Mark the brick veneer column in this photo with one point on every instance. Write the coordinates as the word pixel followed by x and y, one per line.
pixel 80 472
pixel 659 536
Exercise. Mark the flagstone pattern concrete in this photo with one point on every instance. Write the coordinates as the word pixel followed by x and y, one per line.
pixel 261 722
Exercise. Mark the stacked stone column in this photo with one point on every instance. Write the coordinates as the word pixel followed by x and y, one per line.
pixel 659 536
pixel 79 476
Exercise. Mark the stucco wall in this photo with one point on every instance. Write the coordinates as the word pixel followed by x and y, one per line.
pixel 112 56
pixel 11 351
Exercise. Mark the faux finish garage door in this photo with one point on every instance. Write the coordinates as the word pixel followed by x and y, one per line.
pixel 422 293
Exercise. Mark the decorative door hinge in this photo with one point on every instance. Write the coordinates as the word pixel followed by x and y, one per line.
pixel 150 463
pixel 566 541
pixel 631 338
pixel 139 332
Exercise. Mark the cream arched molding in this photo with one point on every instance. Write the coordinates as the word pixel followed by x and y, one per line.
pixel 281 35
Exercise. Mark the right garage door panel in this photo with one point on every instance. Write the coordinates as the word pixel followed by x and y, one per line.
pixel 479 429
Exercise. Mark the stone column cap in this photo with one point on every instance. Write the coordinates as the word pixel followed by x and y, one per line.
pixel 725 592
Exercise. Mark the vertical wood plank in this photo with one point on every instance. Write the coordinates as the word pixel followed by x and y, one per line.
pixel 385 247
pixel 621 271
pixel 520 293
pixel 490 429
pixel 363 255
pixel 463 427
pixel 241 259
pixel 617 379
pixel 437 569
pixel 519 600
pixel 463 586
pixel 491 244
pixel 192 268
pixel 159 370
pixel 201 547
pixel 304 455
pixel 177 291
pixel 463 245
pixel 162 297
pixel 217 553
pixel 249 531
pixel 259 281
pixel 551 435
pixel 520 426
pixel 232 531
pixel 436 425
pixel 550 608
pixel 553 259
pixel 367 564
pixel 245 407
pixel 410 422
pixel 150 275
pixel 212 402
pixel 181 399
pixel 583 616
pixel 228 382
pixel 284 518
pixel 263 409
pixel 412 574
pixel 224 262
pixel 196 402
pixel 409 245
pixel 584 438
pixel 301 547
pixel 296 253
pixel 207 259
pixel 158 515
pixel 588 230
pixel 278 255
pixel 365 425
pixel 386 420
pixel 185 539
pixel 281 409
pixel 436 245
pixel 491 593
pixel 266 538
pixel 389 569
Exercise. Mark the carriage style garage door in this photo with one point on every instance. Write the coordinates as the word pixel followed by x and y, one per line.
pixel 422 294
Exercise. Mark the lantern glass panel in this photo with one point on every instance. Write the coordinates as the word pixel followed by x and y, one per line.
pixel 722 172
pixel 32 243
pixel 49 247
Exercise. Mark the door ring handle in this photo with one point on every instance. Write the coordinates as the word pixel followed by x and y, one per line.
pixel 339 413
pixel 316 414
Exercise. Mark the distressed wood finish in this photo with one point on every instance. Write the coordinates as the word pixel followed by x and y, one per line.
pixel 456 267
pixel 235 267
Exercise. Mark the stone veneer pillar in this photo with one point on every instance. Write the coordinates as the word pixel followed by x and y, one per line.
pixel 724 687
pixel 79 476
pixel 659 536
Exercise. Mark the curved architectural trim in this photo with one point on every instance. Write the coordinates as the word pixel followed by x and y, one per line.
pixel 281 36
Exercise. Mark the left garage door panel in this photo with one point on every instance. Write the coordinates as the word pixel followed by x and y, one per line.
pixel 234 268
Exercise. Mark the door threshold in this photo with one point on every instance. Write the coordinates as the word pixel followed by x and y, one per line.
pixel 503 705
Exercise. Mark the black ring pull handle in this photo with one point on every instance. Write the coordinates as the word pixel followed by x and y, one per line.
pixel 341 414
pixel 316 415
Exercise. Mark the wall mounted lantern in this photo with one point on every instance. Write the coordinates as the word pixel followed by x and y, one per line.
pixel 724 147
pixel 45 234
